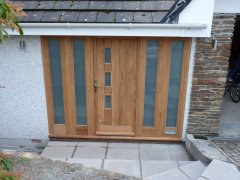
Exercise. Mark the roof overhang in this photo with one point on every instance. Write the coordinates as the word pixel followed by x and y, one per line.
pixel 194 21
pixel 107 29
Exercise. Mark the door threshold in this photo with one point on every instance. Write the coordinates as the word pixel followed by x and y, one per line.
pixel 175 139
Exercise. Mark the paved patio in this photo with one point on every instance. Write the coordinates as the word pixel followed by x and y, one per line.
pixel 134 159
pixel 230 119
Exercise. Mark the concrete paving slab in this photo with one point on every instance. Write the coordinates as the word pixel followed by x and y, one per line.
pixel 155 154
pixel 150 168
pixel 152 145
pixel 61 143
pixel 219 170
pixel 128 167
pixel 177 147
pixel 193 170
pixel 58 152
pixel 179 154
pixel 123 145
pixel 183 163
pixel 90 153
pixel 123 153
pixel 174 174
pixel 96 163
pixel 92 144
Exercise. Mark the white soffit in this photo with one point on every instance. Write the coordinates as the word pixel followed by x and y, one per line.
pixel 194 21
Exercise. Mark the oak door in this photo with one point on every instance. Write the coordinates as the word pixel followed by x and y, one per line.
pixel 115 86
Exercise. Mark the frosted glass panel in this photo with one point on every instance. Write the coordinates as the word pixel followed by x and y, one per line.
pixel 107 55
pixel 56 77
pixel 108 103
pixel 174 83
pixel 107 78
pixel 80 82
pixel 150 82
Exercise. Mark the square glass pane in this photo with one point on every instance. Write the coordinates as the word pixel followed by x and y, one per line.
pixel 80 82
pixel 107 55
pixel 174 83
pixel 56 77
pixel 108 102
pixel 150 82
pixel 108 78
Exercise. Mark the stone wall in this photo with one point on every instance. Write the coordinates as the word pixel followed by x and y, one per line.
pixel 209 77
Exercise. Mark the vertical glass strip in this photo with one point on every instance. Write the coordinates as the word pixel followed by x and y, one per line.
pixel 174 83
pixel 107 55
pixel 150 82
pixel 80 82
pixel 107 78
pixel 108 102
pixel 56 77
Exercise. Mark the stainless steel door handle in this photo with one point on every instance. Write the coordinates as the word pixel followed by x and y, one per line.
pixel 96 85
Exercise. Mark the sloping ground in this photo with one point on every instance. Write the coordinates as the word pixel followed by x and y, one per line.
pixel 36 167
pixel 231 148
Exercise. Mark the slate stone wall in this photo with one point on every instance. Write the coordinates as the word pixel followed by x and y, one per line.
pixel 209 77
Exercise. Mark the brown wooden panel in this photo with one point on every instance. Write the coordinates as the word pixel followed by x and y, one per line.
pixel 183 85
pixel 115 85
pixel 82 130
pixel 163 81
pixel 60 129
pixel 108 90
pixel 100 80
pixel 48 84
pixel 108 67
pixel 141 70
pixel 130 81
pixel 69 86
pixel 89 65
pixel 122 66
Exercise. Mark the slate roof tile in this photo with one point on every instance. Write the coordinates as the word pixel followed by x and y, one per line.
pixel 142 17
pixel 106 17
pixel 117 11
pixel 97 5
pixel 132 5
pixel 51 16
pixel 45 4
pixel 124 17
pixel 149 5
pixel 63 5
pixel 34 16
pixel 114 5
pixel 80 5
pixel 87 16
pixel 69 16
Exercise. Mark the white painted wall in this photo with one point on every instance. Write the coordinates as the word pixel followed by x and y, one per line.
pixel 22 101
pixel 227 6
pixel 189 89
pixel 198 11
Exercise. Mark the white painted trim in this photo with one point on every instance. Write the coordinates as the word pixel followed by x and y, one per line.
pixel 95 29
pixel 189 89
pixel 113 25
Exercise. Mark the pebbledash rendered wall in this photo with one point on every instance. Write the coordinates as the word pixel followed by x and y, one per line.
pixel 209 76
pixel 22 102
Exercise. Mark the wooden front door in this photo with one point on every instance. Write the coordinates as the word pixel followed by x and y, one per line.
pixel 115 86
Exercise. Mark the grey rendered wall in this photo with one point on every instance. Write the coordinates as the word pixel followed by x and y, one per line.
pixel 22 101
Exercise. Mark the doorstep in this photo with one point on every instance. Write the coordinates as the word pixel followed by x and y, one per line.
pixel 134 159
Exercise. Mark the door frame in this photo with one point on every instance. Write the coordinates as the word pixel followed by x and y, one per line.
pixel 71 129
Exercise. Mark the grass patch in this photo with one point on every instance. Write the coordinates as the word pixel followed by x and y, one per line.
pixel 6 166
